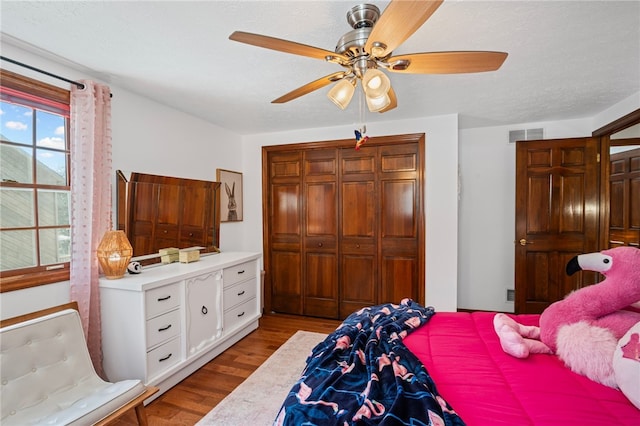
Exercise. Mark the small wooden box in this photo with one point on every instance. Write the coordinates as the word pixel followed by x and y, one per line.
pixel 169 255
pixel 187 256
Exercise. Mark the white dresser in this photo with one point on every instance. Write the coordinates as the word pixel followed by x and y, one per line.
pixel 165 323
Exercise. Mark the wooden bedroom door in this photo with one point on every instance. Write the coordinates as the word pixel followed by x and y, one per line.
pixel 624 190
pixel 556 217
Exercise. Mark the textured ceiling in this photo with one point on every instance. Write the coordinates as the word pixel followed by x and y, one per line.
pixel 568 59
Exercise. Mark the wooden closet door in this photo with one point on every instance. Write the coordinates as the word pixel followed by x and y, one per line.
pixel 399 241
pixel 320 253
pixel 358 229
pixel 343 229
pixel 285 231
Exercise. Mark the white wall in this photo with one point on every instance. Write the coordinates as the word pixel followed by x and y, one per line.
pixel 441 185
pixel 152 138
pixel 616 111
pixel 147 137
pixel 487 204
pixel 487 211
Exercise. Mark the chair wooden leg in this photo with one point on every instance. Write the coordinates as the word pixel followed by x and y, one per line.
pixel 141 414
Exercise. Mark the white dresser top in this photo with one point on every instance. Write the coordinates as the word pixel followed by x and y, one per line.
pixel 154 276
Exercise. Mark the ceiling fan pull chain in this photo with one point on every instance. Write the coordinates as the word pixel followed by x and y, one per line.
pixel 361 138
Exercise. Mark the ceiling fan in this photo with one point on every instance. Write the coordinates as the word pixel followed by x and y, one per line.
pixel 368 48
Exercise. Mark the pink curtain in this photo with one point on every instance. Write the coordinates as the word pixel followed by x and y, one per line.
pixel 90 203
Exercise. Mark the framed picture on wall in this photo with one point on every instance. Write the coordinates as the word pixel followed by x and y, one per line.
pixel 230 195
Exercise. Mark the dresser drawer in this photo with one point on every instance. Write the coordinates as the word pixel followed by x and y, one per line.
pixel 239 293
pixel 162 299
pixel 163 357
pixel 163 327
pixel 238 315
pixel 241 272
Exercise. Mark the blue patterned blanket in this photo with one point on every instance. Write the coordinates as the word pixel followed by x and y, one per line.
pixel 363 374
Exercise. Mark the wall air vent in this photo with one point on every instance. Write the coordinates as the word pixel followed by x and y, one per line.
pixel 511 295
pixel 526 135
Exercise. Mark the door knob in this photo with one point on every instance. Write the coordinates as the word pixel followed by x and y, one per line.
pixel 524 242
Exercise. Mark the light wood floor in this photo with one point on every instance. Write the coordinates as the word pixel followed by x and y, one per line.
pixel 195 396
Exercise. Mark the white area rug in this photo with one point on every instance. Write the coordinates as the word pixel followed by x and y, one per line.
pixel 257 400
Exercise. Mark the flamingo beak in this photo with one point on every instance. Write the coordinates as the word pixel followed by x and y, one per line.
pixel 573 266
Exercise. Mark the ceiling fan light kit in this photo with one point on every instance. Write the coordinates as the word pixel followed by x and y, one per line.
pixel 342 92
pixel 368 47
pixel 379 103
pixel 375 83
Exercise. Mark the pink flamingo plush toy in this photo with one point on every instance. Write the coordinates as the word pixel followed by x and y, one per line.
pixel 583 329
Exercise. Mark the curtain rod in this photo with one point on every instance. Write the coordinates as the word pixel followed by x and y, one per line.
pixel 78 85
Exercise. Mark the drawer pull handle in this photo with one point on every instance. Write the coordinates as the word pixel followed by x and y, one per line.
pixel 319 244
pixel 162 299
pixel 165 231
pixel 191 234
pixel 241 293
pixel 204 310
pixel 165 358
pixel 240 314
pixel 165 328
pixel 241 272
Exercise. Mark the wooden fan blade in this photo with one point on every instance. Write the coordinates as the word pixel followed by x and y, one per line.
pixel 398 22
pixel 449 62
pixel 284 45
pixel 310 87
pixel 394 101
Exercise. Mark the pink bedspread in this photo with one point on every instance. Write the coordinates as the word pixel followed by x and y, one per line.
pixel 488 387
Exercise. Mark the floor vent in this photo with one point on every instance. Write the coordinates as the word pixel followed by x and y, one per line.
pixel 525 135
pixel 511 295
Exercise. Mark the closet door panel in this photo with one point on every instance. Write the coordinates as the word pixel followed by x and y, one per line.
pixel 358 209
pixel 399 278
pixel 320 265
pixel 398 209
pixel 286 253
pixel 286 284
pixel 321 285
pixel 400 216
pixel 321 198
pixel 358 229
pixel 284 208
pixel 285 211
pixel 358 282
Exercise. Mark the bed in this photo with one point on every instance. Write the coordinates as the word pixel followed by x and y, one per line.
pixel 489 387
pixel 408 365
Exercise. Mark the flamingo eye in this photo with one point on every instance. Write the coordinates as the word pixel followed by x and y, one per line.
pixel 606 260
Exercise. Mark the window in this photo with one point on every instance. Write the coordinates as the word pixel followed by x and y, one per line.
pixel 35 192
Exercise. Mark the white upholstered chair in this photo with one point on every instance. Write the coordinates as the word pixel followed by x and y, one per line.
pixel 47 376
